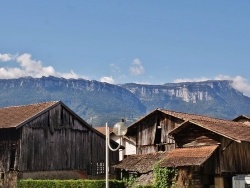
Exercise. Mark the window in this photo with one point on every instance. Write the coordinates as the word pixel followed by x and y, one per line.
pixel 100 168
pixel 12 156
pixel 2 175
pixel 158 132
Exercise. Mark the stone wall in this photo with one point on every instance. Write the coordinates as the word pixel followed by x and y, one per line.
pixel 8 179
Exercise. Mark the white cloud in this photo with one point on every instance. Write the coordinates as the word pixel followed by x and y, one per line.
pixel 6 57
pixel 191 80
pixel 136 68
pixel 11 73
pixel 107 79
pixel 238 82
pixel 34 68
pixel 69 75
pixel 29 67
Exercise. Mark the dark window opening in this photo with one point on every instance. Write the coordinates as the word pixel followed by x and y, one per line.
pixel 158 132
pixel 2 175
pixel 158 142
pixel 161 147
pixel 12 156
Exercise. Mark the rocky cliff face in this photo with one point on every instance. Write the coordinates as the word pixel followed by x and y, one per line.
pixel 98 103
pixel 214 98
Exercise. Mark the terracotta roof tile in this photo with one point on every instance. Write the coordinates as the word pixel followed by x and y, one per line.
pixel 191 156
pixel 141 163
pixel 234 130
pixel 187 116
pixel 11 117
pixel 179 115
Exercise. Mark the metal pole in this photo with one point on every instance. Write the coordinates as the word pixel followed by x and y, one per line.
pixel 107 156
pixel 107 148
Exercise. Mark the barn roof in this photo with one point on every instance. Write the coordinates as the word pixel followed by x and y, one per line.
pixel 229 129
pixel 191 156
pixel 141 163
pixel 14 116
pixel 179 115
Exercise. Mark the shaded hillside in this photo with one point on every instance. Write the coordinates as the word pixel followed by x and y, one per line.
pixel 96 102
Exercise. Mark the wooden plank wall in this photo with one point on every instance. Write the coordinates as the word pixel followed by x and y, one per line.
pixel 146 132
pixel 56 140
pixel 196 136
pixel 146 136
pixel 234 156
pixel 9 149
pixel 167 124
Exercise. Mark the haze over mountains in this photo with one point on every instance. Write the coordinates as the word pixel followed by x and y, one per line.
pixel 98 102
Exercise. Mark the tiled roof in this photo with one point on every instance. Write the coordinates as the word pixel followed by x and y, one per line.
pixel 141 163
pixel 188 117
pixel 179 115
pixel 230 129
pixel 12 117
pixel 191 156
pixel 234 130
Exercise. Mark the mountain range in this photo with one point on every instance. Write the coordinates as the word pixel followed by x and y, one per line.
pixel 98 102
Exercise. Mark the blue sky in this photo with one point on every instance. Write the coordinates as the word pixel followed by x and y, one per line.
pixel 151 42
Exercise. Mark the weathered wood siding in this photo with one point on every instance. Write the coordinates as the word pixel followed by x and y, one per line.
pixel 57 140
pixel 168 123
pixel 146 136
pixel 231 157
pixel 234 156
pixel 196 136
pixel 9 149
pixel 152 133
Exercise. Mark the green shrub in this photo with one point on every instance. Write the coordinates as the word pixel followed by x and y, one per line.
pixel 164 177
pixel 145 186
pixel 68 184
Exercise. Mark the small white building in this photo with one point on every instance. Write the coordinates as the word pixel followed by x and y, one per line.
pixel 241 181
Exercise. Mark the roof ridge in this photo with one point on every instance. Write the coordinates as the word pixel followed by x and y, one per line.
pixel 32 104
pixel 214 120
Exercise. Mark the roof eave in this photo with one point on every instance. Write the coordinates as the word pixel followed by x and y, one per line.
pixel 229 137
pixel 36 115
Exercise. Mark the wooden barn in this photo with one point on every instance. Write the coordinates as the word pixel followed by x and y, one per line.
pixel 48 140
pixel 207 151
pixel 152 131
pixel 210 152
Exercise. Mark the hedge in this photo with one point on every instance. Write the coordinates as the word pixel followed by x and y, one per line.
pixel 29 183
